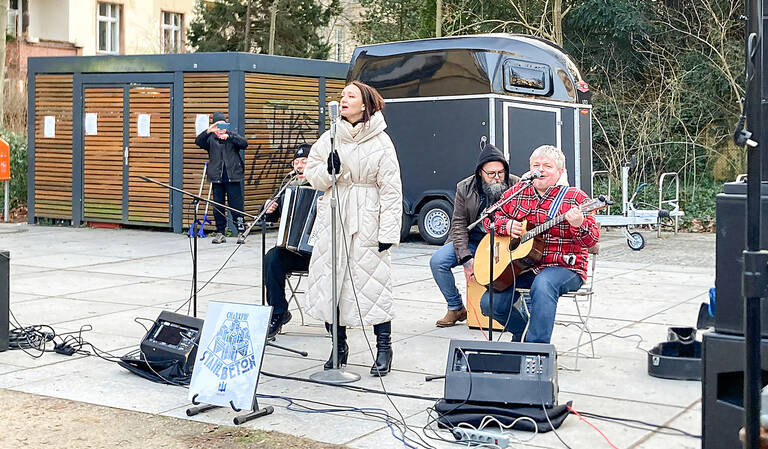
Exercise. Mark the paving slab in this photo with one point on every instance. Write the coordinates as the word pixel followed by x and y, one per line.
pixel 105 279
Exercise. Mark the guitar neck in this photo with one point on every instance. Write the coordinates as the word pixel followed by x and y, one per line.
pixel 542 228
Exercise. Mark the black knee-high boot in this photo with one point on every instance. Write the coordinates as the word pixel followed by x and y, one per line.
pixel 383 362
pixel 341 344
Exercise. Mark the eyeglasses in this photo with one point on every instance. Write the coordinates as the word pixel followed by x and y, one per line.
pixel 494 174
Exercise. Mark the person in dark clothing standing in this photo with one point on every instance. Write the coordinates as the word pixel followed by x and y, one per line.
pixel 473 194
pixel 278 262
pixel 225 172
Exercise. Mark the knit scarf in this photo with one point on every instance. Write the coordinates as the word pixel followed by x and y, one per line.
pixel 353 130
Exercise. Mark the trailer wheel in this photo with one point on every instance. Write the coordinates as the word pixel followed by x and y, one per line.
pixel 405 230
pixel 435 221
pixel 636 241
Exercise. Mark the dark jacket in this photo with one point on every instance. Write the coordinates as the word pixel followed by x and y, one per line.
pixel 223 153
pixel 466 209
pixel 470 201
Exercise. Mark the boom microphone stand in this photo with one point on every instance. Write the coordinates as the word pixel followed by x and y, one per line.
pixel 337 375
pixel 490 212
pixel 256 219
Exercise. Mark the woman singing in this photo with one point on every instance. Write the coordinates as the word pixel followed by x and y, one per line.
pixel 369 216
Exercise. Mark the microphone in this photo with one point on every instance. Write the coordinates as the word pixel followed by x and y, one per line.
pixel 333 111
pixel 533 174
pixel 291 173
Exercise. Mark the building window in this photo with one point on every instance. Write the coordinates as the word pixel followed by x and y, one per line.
pixel 338 44
pixel 109 28
pixel 171 30
pixel 13 18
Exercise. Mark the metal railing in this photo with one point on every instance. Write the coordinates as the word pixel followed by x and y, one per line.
pixel 674 202
pixel 607 174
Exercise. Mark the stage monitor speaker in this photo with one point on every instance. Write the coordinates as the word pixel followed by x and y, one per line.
pixel 731 213
pixel 501 372
pixel 723 389
pixel 5 292
pixel 173 337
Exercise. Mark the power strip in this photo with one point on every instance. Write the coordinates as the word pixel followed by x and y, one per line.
pixel 479 436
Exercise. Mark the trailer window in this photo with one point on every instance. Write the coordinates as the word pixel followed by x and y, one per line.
pixel 526 77
pixel 424 74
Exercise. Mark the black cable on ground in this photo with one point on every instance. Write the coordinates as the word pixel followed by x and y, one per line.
pixel 349 387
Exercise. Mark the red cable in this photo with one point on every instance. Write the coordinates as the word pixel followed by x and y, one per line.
pixel 591 425
pixel 474 314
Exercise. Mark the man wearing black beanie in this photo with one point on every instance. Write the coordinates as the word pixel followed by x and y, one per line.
pixel 478 191
pixel 225 172
pixel 279 262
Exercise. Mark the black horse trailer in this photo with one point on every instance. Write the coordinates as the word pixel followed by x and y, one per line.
pixel 447 97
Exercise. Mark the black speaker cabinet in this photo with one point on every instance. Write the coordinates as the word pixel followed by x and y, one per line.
pixel 5 292
pixel 731 215
pixel 173 338
pixel 723 389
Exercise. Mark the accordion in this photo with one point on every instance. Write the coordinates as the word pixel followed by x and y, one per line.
pixel 298 215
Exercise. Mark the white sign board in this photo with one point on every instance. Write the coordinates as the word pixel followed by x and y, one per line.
pixel 230 353
pixel 49 127
pixel 142 123
pixel 202 122
pixel 91 119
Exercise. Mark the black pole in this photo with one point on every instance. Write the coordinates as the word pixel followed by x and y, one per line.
pixel 195 227
pixel 490 284
pixel 754 260
pixel 263 257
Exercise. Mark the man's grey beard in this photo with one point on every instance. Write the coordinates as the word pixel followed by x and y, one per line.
pixel 494 190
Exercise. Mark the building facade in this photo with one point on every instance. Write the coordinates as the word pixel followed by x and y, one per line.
pixel 93 27
pixel 341 33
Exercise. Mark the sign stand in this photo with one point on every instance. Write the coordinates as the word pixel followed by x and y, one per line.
pixel 229 360
pixel 240 419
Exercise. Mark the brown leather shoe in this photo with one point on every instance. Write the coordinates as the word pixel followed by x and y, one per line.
pixel 452 317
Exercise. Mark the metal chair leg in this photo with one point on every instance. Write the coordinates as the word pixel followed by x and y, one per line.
pixel 294 292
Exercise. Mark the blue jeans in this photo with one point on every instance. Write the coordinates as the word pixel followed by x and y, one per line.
pixel 546 288
pixel 441 263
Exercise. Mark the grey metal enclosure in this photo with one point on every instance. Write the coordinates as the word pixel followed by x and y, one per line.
pixel 446 97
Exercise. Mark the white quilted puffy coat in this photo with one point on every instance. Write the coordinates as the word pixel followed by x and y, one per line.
pixel 370 209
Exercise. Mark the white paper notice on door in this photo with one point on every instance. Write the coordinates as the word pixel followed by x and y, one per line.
pixel 91 119
pixel 49 127
pixel 201 123
pixel 143 125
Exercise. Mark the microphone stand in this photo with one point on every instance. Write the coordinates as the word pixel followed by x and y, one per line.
pixel 336 375
pixel 490 212
pixel 256 218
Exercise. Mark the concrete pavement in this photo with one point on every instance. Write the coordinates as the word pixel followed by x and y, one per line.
pixel 70 277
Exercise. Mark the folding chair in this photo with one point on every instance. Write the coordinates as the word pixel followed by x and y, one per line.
pixel 582 298
pixel 293 279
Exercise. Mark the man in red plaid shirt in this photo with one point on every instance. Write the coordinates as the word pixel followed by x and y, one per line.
pixel 563 266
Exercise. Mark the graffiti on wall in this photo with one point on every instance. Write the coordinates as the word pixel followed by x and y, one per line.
pixel 287 125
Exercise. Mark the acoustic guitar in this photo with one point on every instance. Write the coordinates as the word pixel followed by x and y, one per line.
pixel 514 256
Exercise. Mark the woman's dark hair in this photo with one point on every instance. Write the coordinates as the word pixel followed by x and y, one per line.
pixel 372 100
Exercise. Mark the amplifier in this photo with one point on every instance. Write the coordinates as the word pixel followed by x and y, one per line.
pixel 173 337
pixel 501 372
pixel 731 219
